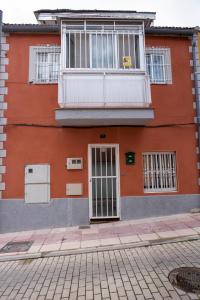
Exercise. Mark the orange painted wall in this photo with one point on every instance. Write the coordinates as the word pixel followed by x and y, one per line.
pixel 35 104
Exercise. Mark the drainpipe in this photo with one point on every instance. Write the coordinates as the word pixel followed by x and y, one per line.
pixel 1 15
pixel 196 64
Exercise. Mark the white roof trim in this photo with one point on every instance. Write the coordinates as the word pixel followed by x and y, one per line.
pixel 109 15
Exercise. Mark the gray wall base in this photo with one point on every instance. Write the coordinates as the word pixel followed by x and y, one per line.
pixel 16 215
pixel 136 207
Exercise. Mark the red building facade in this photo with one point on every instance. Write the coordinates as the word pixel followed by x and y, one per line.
pixel 98 120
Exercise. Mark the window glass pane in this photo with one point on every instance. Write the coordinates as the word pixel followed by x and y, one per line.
pixel 42 67
pixel 159 172
pixel 158 67
pixel 47 64
pixel 103 50
pixel 137 52
pixel 70 50
pixel 128 45
pixel 148 64
pixel 54 59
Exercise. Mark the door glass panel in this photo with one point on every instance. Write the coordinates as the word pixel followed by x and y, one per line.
pixel 113 162
pixel 104 182
pixel 114 197
pixel 94 196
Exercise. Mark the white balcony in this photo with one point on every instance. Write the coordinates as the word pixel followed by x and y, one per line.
pixel 103 80
pixel 107 89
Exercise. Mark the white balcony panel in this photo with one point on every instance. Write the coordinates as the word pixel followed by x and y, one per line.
pixel 126 89
pixel 76 89
pixel 82 89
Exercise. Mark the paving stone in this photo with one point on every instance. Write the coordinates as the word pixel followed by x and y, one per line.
pixel 50 247
pixel 70 245
pixel 129 239
pixel 185 232
pixel 90 243
pixel 157 296
pixel 148 236
pixel 167 234
pixel 147 294
pixel 110 241
pixel 163 292
pixel 89 295
pixel 137 290
pixel 97 297
pixel 49 295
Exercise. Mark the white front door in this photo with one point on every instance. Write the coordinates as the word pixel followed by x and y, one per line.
pixel 104 181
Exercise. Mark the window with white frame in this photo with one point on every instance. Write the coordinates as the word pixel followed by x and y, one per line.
pixel 103 47
pixel 158 65
pixel 44 64
pixel 159 172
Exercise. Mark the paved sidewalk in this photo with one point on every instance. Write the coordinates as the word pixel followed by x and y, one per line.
pixel 103 235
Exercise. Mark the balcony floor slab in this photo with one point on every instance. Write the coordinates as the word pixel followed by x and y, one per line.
pixel 86 117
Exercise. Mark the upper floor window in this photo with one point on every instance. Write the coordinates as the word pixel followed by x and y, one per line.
pixel 159 171
pixel 102 47
pixel 44 64
pixel 158 65
pixel 103 51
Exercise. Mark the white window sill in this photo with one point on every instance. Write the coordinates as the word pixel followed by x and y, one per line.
pixel 161 83
pixel 160 191
pixel 39 83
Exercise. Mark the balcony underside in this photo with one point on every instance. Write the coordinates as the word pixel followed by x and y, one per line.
pixel 82 117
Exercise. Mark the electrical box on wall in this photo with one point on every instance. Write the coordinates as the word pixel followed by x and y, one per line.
pixel 37 183
pixel 75 163
pixel 74 189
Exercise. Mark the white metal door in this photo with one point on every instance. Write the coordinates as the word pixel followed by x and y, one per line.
pixel 104 181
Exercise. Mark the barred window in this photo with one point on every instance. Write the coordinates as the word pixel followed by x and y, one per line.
pixel 44 64
pixel 158 65
pixel 159 172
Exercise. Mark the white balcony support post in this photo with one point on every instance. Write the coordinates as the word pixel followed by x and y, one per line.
pixel 96 52
pixel 134 54
pixel 85 36
pixel 80 51
pixel 107 50
pixel 141 49
pixel 123 48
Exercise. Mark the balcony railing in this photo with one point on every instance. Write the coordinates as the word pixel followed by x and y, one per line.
pixel 102 47
pixel 103 65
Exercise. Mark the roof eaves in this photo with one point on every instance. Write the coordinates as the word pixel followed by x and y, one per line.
pixel 35 28
pixel 43 28
pixel 183 31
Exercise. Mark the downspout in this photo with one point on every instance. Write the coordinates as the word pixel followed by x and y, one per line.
pixel 1 16
pixel 196 66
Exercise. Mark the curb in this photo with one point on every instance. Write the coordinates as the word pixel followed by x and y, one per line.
pixel 98 249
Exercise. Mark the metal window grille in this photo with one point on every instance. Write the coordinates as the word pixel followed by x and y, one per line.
pixel 159 172
pixel 47 64
pixel 158 65
pixel 100 47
